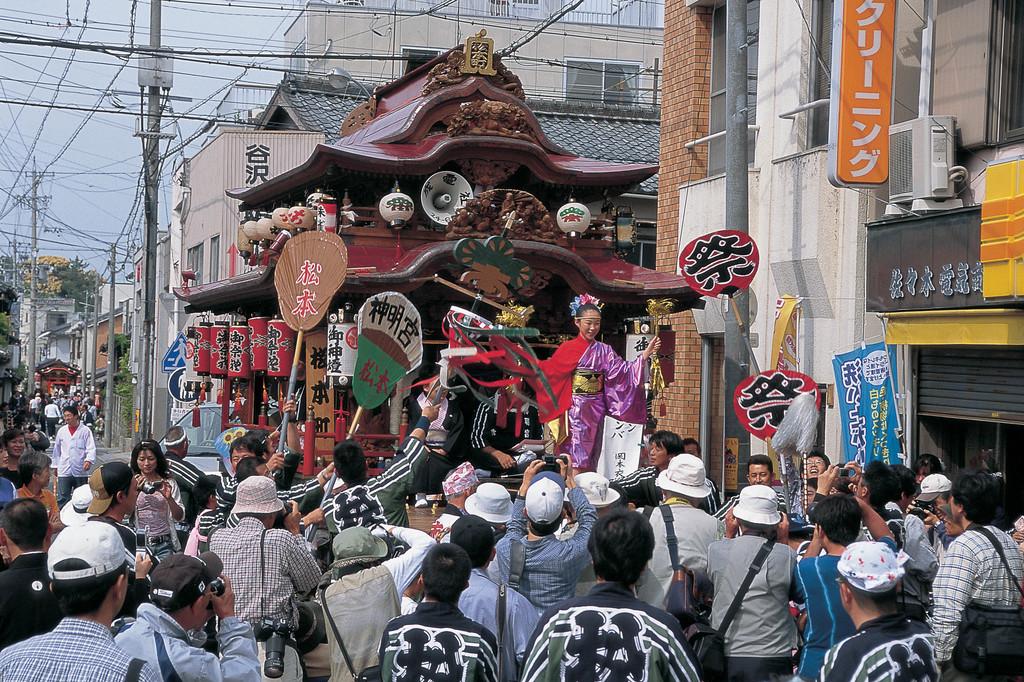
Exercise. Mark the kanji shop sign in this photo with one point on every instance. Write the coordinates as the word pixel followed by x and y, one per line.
pixel 926 263
pixel 761 400
pixel 861 104
pixel 308 273
pixel 390 345
pixel 721 262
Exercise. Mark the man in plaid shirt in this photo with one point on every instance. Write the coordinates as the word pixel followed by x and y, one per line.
pixel 269 567
pixel 971 570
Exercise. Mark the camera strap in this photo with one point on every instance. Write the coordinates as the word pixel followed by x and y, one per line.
pixel 263 574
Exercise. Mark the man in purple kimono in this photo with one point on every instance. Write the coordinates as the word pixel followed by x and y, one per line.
pixel 589 380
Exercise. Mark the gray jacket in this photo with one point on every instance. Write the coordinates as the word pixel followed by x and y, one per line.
pixel 238 660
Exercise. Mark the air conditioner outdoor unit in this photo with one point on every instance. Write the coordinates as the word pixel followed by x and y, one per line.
pixel 921 154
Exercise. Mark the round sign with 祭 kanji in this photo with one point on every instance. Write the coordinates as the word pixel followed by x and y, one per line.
pixel 390 346
pixel 721 262
pixel 309 272
pixel 761 400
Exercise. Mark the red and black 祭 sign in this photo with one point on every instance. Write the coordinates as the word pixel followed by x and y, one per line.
pixel 761 400
pixel 721 262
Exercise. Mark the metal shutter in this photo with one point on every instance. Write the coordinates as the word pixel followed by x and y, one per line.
pixel 971 383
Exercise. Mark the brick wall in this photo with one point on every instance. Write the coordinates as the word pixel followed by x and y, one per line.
pixel 684 116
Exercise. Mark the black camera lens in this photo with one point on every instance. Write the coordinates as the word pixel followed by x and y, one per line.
pixel 217 586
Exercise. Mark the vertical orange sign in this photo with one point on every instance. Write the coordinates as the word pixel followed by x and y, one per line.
pixel 861 101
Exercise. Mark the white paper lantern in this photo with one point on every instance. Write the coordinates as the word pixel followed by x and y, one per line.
pixel 573 217
pixel 265 228
pixel 251 230
pixel 396 208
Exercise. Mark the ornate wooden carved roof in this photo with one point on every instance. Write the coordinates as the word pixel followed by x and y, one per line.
pixel 437 115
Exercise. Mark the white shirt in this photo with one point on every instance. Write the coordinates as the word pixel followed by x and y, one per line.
pixel 51 411
pixel 70 452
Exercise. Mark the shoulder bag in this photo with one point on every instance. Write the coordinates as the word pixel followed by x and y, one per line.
pixel 991 638
pixel 708 643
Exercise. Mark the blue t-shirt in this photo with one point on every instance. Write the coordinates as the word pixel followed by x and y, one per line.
pixel 8 493
pixel 816 581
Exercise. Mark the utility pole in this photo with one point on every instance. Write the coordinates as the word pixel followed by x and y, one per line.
pixel 153 81
pixel 95 332
pixel 108 431
pixel 32 286
pixel 737 360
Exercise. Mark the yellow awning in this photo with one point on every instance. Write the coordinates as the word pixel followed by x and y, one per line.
pixel 971 327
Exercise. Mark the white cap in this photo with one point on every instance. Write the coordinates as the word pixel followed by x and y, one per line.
pixel 491 502
pixel 685 475
pixel 96 543
pixel 544 501
pixel 595 487
pixel 871 567
pixel 934 485
pixel 757 504
pixel 76 511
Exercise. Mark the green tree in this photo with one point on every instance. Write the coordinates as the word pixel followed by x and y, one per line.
pixel 123 384
pixel 60 276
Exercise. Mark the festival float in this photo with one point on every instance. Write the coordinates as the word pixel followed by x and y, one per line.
pixel 444 205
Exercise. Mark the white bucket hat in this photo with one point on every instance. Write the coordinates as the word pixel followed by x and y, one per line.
pixel 758 504
pixel 685 475
pixel 595 487
pixel 491 502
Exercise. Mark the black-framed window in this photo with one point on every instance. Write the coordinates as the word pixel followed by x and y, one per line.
pixel 599 81
pixel 819 71
pixel 644 253
pixel 194 261
pixel 416 57
pixel 716 147
pixel 1008 70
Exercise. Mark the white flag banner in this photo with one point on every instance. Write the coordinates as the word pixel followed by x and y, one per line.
pixel 620 449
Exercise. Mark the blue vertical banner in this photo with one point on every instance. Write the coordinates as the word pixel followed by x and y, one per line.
pixel 878 404
pixel 847 368
pixel 865 396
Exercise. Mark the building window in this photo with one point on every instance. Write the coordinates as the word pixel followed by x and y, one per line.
pixel 1009 70
pixel 416 57
pixel 716 148
pixel 644 253
pixel 194 261
pixel 819 72
pixel 596 81
pixel 214 258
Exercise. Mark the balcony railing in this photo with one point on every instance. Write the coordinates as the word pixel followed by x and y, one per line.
pixel 635 13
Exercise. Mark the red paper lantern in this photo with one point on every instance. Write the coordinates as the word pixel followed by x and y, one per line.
pixel 280 348
pixel 219 349
pixel 258 343
pixel 204 335
pixel 239 359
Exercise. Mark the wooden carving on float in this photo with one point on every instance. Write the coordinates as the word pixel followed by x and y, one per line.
pixel 487 117
pixel 449 72
pixel 487 174
pixel 359 117
pixel 492 268
pixel 485 216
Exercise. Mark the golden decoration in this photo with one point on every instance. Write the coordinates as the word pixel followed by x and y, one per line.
pixel 479 53
pixel 516 316
pixel 658 308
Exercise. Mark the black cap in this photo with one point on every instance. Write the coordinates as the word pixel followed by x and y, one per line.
pixel 181 579
pixel 474 535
